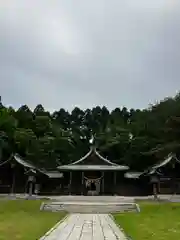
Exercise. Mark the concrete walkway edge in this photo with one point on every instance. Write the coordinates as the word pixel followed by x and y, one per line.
pixel 54 227
pixel 118 226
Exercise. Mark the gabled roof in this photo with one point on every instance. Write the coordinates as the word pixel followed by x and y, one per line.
pixel 167 160
pixel 94 151
pixel 24 163
pixel 81 164
pixel 33 168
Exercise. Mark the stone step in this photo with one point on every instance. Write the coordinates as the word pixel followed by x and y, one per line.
pixel 93 199
pixel 90 208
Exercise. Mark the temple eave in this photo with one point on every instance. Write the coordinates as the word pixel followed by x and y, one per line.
pixel 93 167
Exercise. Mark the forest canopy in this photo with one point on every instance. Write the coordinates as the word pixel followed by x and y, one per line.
pixel 135 137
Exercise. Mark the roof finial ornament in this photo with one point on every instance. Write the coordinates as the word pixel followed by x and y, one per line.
pixel 92 141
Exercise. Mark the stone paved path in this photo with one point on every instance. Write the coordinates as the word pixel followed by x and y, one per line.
pixel 86 227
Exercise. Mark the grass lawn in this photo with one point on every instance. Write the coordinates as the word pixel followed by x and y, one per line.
pixel 155 222
pixel 22 220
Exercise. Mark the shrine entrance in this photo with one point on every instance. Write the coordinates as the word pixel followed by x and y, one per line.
pixel 93 182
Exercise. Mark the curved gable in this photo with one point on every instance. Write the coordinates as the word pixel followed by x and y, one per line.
pixel 93 157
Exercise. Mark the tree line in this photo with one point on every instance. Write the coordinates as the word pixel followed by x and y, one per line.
pixel 136 137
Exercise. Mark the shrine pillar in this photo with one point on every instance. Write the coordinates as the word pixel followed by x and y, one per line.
pixel 115 183
pixel 82 184
pixel 103 175
pixel 70 183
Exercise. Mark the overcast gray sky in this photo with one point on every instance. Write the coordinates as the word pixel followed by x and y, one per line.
pixel 66 53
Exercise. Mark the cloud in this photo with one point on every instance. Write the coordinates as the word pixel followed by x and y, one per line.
pixel 86 53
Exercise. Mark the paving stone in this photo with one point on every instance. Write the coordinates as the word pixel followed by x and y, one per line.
pixel 87 227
